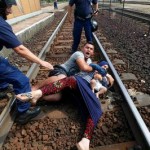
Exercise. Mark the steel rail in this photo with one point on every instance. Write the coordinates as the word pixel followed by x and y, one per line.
pixel 135 12
pixel 132 14
pixel 6 110
pixel 45 49
pixel 144 17
pixel 127 97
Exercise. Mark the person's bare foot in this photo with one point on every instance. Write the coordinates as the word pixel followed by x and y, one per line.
pixel 30 96
pixel 83 144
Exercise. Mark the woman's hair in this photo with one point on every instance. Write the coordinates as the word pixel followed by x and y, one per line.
pixel 3 7
pixel 3 14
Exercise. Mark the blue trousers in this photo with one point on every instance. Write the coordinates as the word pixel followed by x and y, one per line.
pixel 11 75
pixel 77 31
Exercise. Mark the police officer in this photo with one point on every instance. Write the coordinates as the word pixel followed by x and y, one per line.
pixel 82 19
pixel 10 74
pixel 55 4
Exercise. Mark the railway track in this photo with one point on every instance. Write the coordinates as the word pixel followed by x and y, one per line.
pixel 121 126
pixel 133 14
pixel 128 12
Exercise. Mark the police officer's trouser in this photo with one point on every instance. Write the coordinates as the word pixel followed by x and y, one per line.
pixel 12 75
pixel 77 30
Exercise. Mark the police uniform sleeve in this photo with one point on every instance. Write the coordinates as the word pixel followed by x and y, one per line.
pixel 7 37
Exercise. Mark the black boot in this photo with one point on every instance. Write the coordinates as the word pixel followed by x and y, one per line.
pixel 4 91
pixel 25 117
pixel 3 95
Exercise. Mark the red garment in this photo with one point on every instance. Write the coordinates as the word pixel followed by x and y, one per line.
pixel 89 128
pixel 59 85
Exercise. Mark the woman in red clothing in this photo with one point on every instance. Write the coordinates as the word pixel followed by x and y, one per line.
pixel 88 104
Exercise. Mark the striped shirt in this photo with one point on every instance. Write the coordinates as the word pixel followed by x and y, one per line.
pixel 88 76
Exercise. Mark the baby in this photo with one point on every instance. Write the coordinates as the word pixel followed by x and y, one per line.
pixel 99 84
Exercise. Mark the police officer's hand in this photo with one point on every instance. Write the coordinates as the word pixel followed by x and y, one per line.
pixel 47 65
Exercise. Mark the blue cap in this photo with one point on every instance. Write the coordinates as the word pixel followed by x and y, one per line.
pixel 102 63
pixel 9 2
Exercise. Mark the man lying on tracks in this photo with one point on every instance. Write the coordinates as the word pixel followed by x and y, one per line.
pixel 10 74
pixel 79 61
pixel 86 99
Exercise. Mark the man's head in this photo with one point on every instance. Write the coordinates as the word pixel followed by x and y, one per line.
pixel 104 64
pixel 88 50
pixel 5 7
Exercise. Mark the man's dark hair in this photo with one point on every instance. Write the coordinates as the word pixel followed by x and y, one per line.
pixel 89 42
pixel 3 14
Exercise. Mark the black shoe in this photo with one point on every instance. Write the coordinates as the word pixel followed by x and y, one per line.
pixel 28 115
pixel 5 91
pixel 3 95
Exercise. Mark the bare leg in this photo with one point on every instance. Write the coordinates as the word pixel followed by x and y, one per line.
pixel 47 81
pixel 93 84
pixel 52 88
pixel 54 97
pixel 50 98
pixel 101 91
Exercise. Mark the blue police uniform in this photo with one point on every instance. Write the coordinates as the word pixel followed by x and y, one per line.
pixel 8 73
pixel 55 5
pixel 83 12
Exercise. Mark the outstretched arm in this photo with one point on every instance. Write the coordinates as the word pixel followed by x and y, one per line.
pixel 26 53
